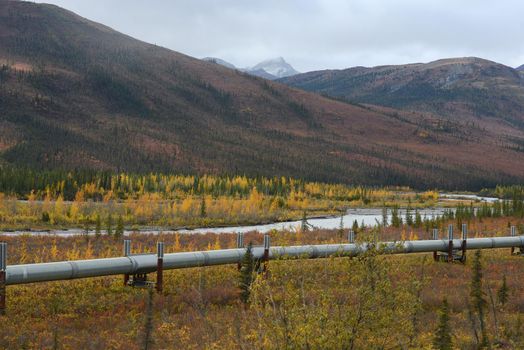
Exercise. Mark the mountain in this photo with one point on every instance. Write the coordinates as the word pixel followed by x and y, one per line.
pixel 269 69
pixel 220 62
pixel 471 89
pixel 259 73
pixel 277 67
pixel 77 94
pixel 521 68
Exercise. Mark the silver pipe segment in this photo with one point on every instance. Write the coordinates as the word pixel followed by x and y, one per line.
pixel 146 263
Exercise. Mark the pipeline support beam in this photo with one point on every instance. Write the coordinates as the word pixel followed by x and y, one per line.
pixel 127 252
pixel 267 241
pixel 3 267
pixel 160 267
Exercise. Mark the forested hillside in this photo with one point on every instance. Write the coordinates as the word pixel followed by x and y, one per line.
pixel 75 94
pixel 483 92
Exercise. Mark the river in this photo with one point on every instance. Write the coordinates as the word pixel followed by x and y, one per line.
pixel 366 216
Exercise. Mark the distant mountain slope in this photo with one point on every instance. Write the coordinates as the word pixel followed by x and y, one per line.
pixel 220 62
pixel 259 73
pixel 467 88
pixel 521 68
pixel 77 94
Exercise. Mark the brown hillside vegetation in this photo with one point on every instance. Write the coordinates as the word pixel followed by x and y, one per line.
pixel 77 94
pixel 484 93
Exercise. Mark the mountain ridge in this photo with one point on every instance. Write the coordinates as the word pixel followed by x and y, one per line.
pixel 76 94
pixel 468 87
pixel 220 62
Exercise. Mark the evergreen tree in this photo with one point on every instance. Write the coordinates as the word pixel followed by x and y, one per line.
pixel 203 207
pixel 86 229
pixel 442 340
pixel 98 226
pixel 109 225
pixel 341 225
pixel 395 219
pixel 304 227
pixel 384 216
pixel 247 269
pixel 148 327
pixel 409 216
pixel 478 302
pixel 503 292
pixel 119 231
pixel 418 219
pixel 355 226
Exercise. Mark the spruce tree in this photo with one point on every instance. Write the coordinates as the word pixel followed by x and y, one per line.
pixel 109 225
pixel 341 225
pixel 395 219
pixel 384 216
pixel 98 226
pixel 86 229
pixel 503 292
pixel 478 302
pixel 304 227
pixel 148 327
pixel 203 208
pixel 409 216
pixel 355 226
pixel 246 274
pixel 418 219
pixel 442 340
pixel 119 231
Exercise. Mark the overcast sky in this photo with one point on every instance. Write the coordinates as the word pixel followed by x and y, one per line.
pixel 319 34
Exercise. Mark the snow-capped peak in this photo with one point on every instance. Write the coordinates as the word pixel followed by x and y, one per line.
pixel 277 67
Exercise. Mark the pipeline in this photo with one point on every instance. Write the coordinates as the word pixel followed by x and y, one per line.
pixel 146 263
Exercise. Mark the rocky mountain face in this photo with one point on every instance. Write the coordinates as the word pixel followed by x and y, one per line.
pixel 75 94
pixel 277 67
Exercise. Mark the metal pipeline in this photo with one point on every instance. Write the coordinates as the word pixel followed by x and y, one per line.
pixel 145 263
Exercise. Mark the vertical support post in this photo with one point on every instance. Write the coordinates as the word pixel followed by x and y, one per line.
pixel 450 243
pixel 160 267
pixel 435 237
pixel 351 236
pixel 267 242
pixel 240 244
pixel 464 239
pixel 127 252
pixel 3 268
pixel 513 234
pixel 351 239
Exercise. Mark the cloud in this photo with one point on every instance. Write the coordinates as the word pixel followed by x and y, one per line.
pixel 320 34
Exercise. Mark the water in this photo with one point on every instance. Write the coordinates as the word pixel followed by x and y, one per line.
pixel 470 197
pixel 366 216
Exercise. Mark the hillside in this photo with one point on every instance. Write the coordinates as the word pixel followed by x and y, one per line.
pixel 220 62
pixel 77 94
pixel 471 89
